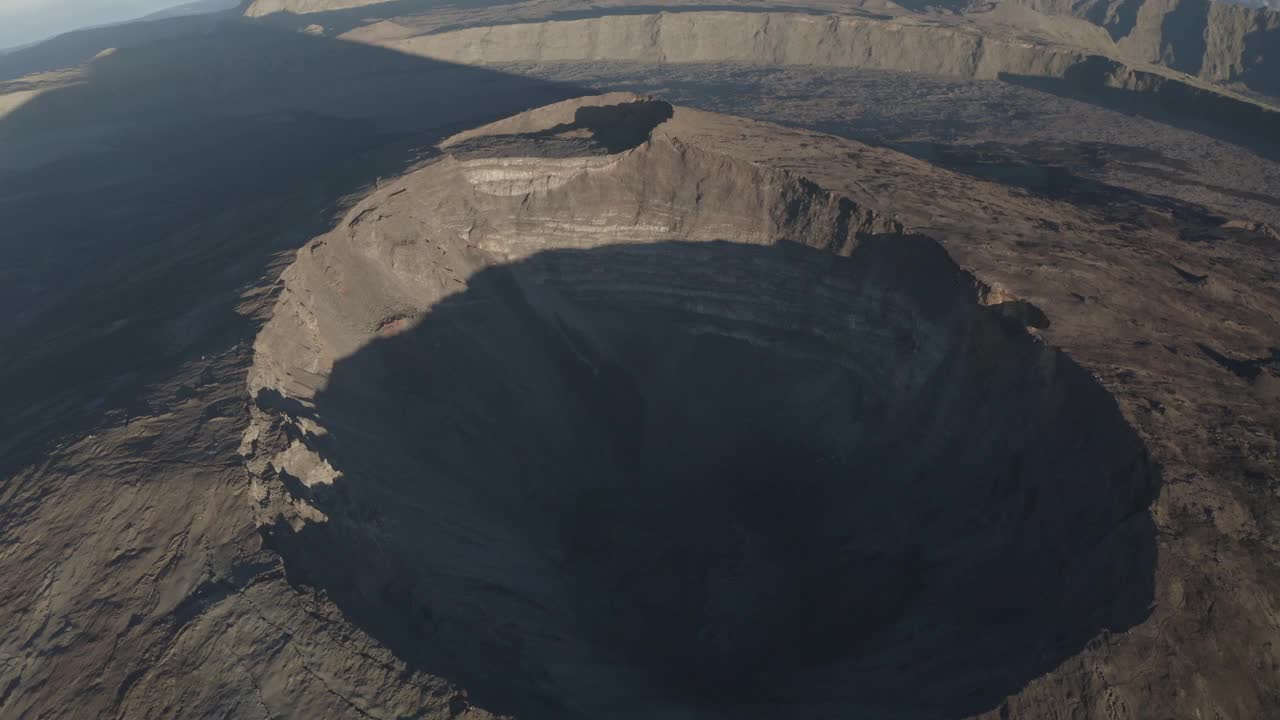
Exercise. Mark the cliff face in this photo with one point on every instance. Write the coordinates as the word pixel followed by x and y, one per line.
pixel 1216 41
pixel 777 38
pixel 785 38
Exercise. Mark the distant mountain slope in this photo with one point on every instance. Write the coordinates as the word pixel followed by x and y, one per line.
pixel 28 36
pixel 197 7
pixel 258 8
pixel 80 46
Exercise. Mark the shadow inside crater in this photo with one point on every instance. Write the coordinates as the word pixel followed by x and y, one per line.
pixel 741 479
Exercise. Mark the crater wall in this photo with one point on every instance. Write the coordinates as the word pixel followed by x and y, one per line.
pixel 648 431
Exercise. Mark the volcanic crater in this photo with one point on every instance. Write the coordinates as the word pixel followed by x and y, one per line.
pixel 591 420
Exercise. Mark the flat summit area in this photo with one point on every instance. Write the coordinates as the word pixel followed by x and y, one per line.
pixel 563 360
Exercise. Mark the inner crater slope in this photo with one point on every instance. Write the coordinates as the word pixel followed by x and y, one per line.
pixel 595 422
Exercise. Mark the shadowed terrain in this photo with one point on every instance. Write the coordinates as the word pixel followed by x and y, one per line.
pixel 209 156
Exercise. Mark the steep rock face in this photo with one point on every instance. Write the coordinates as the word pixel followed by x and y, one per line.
pixel 642 430
pixel 778 38
pixel 782 38
pixel 1217 41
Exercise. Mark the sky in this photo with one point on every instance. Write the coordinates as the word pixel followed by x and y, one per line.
pixel 27 21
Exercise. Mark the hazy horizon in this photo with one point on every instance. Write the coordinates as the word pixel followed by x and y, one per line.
pixel 23 22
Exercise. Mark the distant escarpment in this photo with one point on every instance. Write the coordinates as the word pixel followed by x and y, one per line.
pixel 1215 41
pixel 783 38
pixel 1218 42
